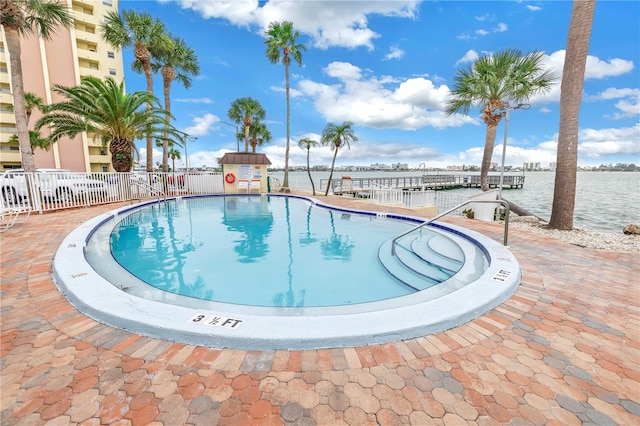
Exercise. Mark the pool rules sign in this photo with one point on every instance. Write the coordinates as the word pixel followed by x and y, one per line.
pixel 215 321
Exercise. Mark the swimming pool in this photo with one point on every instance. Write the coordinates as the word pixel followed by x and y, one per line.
pixel 299 274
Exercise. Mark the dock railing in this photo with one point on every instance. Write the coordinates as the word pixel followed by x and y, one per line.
pixel 459 206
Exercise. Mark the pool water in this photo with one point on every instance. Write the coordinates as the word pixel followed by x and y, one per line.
pixel 259 251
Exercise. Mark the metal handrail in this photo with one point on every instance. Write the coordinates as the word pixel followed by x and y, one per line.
pixel 415 228
pixel 151 189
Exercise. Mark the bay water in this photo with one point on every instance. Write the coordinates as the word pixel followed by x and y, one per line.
pixel 605 201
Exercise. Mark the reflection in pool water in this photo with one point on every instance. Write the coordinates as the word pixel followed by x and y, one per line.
pixel 258 250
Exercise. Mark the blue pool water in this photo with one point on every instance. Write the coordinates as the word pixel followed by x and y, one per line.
pixel 260 251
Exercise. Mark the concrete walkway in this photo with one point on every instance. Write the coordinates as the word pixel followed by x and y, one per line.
pixel 565 349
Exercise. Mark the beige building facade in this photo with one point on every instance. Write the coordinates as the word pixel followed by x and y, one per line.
pixel 65 59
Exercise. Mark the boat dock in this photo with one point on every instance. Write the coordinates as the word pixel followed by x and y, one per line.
pixel 347 184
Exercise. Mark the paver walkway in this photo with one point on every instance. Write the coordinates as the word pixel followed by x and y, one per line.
pixel 564 349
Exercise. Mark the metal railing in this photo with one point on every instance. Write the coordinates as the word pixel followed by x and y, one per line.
pixel 159 192
pixel 423 224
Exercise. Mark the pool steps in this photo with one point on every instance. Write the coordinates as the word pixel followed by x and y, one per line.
pixel 422 261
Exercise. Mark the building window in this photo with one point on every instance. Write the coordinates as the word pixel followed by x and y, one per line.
pixel 112 71
pixel 107 3
pixel 105 168
pixel 103 152
pixel 111 55
pixel 93 66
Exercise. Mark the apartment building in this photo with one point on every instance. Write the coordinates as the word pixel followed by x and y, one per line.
pixel 66 58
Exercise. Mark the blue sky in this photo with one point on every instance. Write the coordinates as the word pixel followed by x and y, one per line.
pixel 388 67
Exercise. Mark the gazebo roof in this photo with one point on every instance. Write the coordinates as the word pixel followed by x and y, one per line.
pixel 245 158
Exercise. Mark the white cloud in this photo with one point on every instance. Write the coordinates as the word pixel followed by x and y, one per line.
pixel 500 28
pixel 332 23
pixel 486 17
pixel 194 100
pixel 394 53
pixel 383 102
pixel 343 71
pixel 595 68
pixel 533 8
pixel 545 110
pixel 482 32
pixel 629 105
pixel 593 144
pixel 602 142
pixel 470 56
pixel 202 125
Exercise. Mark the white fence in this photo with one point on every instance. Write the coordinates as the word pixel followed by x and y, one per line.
pixel 403 198
pixel 55 190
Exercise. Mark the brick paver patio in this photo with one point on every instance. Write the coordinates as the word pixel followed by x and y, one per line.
pixel 564 349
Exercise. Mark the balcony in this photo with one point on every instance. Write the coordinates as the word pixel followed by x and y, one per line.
pixel 7 117
pixel 89 55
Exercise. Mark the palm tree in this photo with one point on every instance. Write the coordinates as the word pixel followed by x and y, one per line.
pixel 27 17
pixel 492 81
pixel 259 134
pixel 32 102
pixel 308 143
pixel 244 111
pixel 104 108
pixel 564 192
pixel 282 36
pixel 36 140
pixel 337 136
pixel 147 36
pixel 177 62
pixel 174 155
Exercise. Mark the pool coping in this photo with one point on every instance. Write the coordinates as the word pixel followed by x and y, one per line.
pixel 249 329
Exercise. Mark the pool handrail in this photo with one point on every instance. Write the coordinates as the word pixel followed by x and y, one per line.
pixel 415 228
pixel 159 193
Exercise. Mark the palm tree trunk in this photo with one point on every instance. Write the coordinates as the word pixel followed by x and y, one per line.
pixel 22 126
pixel 564 193
pixel 313 188
pixel 489 142
pixel 333 162
pixel 147 73
pixel 165 141
pixel 285 181
pixel 247 124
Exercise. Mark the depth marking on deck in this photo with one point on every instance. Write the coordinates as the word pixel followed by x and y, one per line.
pixel 215 321
pixel 501 275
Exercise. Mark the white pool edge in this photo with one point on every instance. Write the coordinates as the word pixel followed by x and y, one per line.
pixel 99 299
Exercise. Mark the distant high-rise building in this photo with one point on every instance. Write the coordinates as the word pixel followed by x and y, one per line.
pixel 70 55
pixel 552 166
pixel 531 166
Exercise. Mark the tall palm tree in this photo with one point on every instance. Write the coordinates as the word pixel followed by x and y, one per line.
pixel 174 155
pixel 492 81
pixel 244 111
pixel 282 37
pixel 336 136
pixel 147 36
pixel 259 133
pixel 177 62
pixel 104 108
pixel 308 143
pixel 564 193
pixel 27 17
